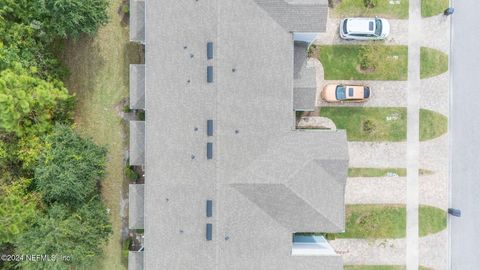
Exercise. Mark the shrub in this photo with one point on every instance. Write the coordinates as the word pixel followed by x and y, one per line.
pixel 370 3
pixel 126 109
pixel 131 174
pixel 369 127
pixel 141 116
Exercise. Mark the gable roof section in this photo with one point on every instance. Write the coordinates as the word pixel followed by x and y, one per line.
pixel 302 175
pixel 284 206
pixel 298 15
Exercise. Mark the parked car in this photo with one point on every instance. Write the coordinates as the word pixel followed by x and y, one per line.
pixel 345 93
pixel 364 28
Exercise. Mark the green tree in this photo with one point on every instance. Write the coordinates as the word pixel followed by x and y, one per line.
pixel 20 44
pixel 57 18
pixel 70 18
pixel 78 234
pixel 28 151
pixel 28 104
pixel 18 210
pixel 70 168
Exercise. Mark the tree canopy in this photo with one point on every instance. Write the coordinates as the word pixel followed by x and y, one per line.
pixel 28 104
pixel 53 19
pixel 78 234
pixel 18 209
pixel 49 176
pixel 70 168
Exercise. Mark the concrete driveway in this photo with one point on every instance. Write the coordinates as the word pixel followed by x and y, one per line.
pixel 398 36
pixel 384 94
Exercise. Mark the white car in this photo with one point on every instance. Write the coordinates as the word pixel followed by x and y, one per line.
pixel 364 28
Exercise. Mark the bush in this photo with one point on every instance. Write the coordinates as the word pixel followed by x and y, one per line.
pixel 126 248
pixel 126 109
pixel 131 174
pixel 370 3
pixel 141 115
pixel 369 127
pixel 126 9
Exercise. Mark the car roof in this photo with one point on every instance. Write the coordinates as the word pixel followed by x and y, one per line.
pixel 354 91
pixel 361 25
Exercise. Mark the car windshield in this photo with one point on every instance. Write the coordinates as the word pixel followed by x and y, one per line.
pixel 340 92
pixel 345 27
pixel 378 27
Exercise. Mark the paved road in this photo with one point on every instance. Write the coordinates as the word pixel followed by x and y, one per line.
pixel 465 134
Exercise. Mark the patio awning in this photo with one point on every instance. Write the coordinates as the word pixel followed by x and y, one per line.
pixel 135 206
pixel 137 143
pixel 137 21
pixel 137 87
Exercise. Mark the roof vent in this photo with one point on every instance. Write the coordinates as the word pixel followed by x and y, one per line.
pixel 209 208
pixel 209 150
pixel 209 74
pixel 209 127
pixel 209 231
pixel 210 50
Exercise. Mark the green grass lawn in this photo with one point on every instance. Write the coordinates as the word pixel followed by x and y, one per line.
pixel 369 124
pixel 432 220
pixel 432 124
pixel 382 172
pixel 374 221
pixel 99 78
pixel 383 124
pixel 432 62
pixel 380 267
pixel 342 62
pixel 374 267
pixel 375 172
pixel 356 8
pixel 433 7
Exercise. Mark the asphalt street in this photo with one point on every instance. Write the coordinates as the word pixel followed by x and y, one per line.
pixel 465 136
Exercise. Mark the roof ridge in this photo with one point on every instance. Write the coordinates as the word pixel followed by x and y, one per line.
pixel 312 14
pixel 249 190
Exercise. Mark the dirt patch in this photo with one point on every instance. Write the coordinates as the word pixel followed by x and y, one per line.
pixel 365 70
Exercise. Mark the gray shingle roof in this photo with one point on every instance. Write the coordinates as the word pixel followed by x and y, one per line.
pixel 137 21
pixel 305 82
pixel 298 15
pixel 135 260
pixel 137 87
pixel 254 142
pixel 136 206
pixel 302 174
pixel 304 98
pixel 137 143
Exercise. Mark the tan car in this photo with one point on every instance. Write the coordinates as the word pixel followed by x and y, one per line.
pixel 345 93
